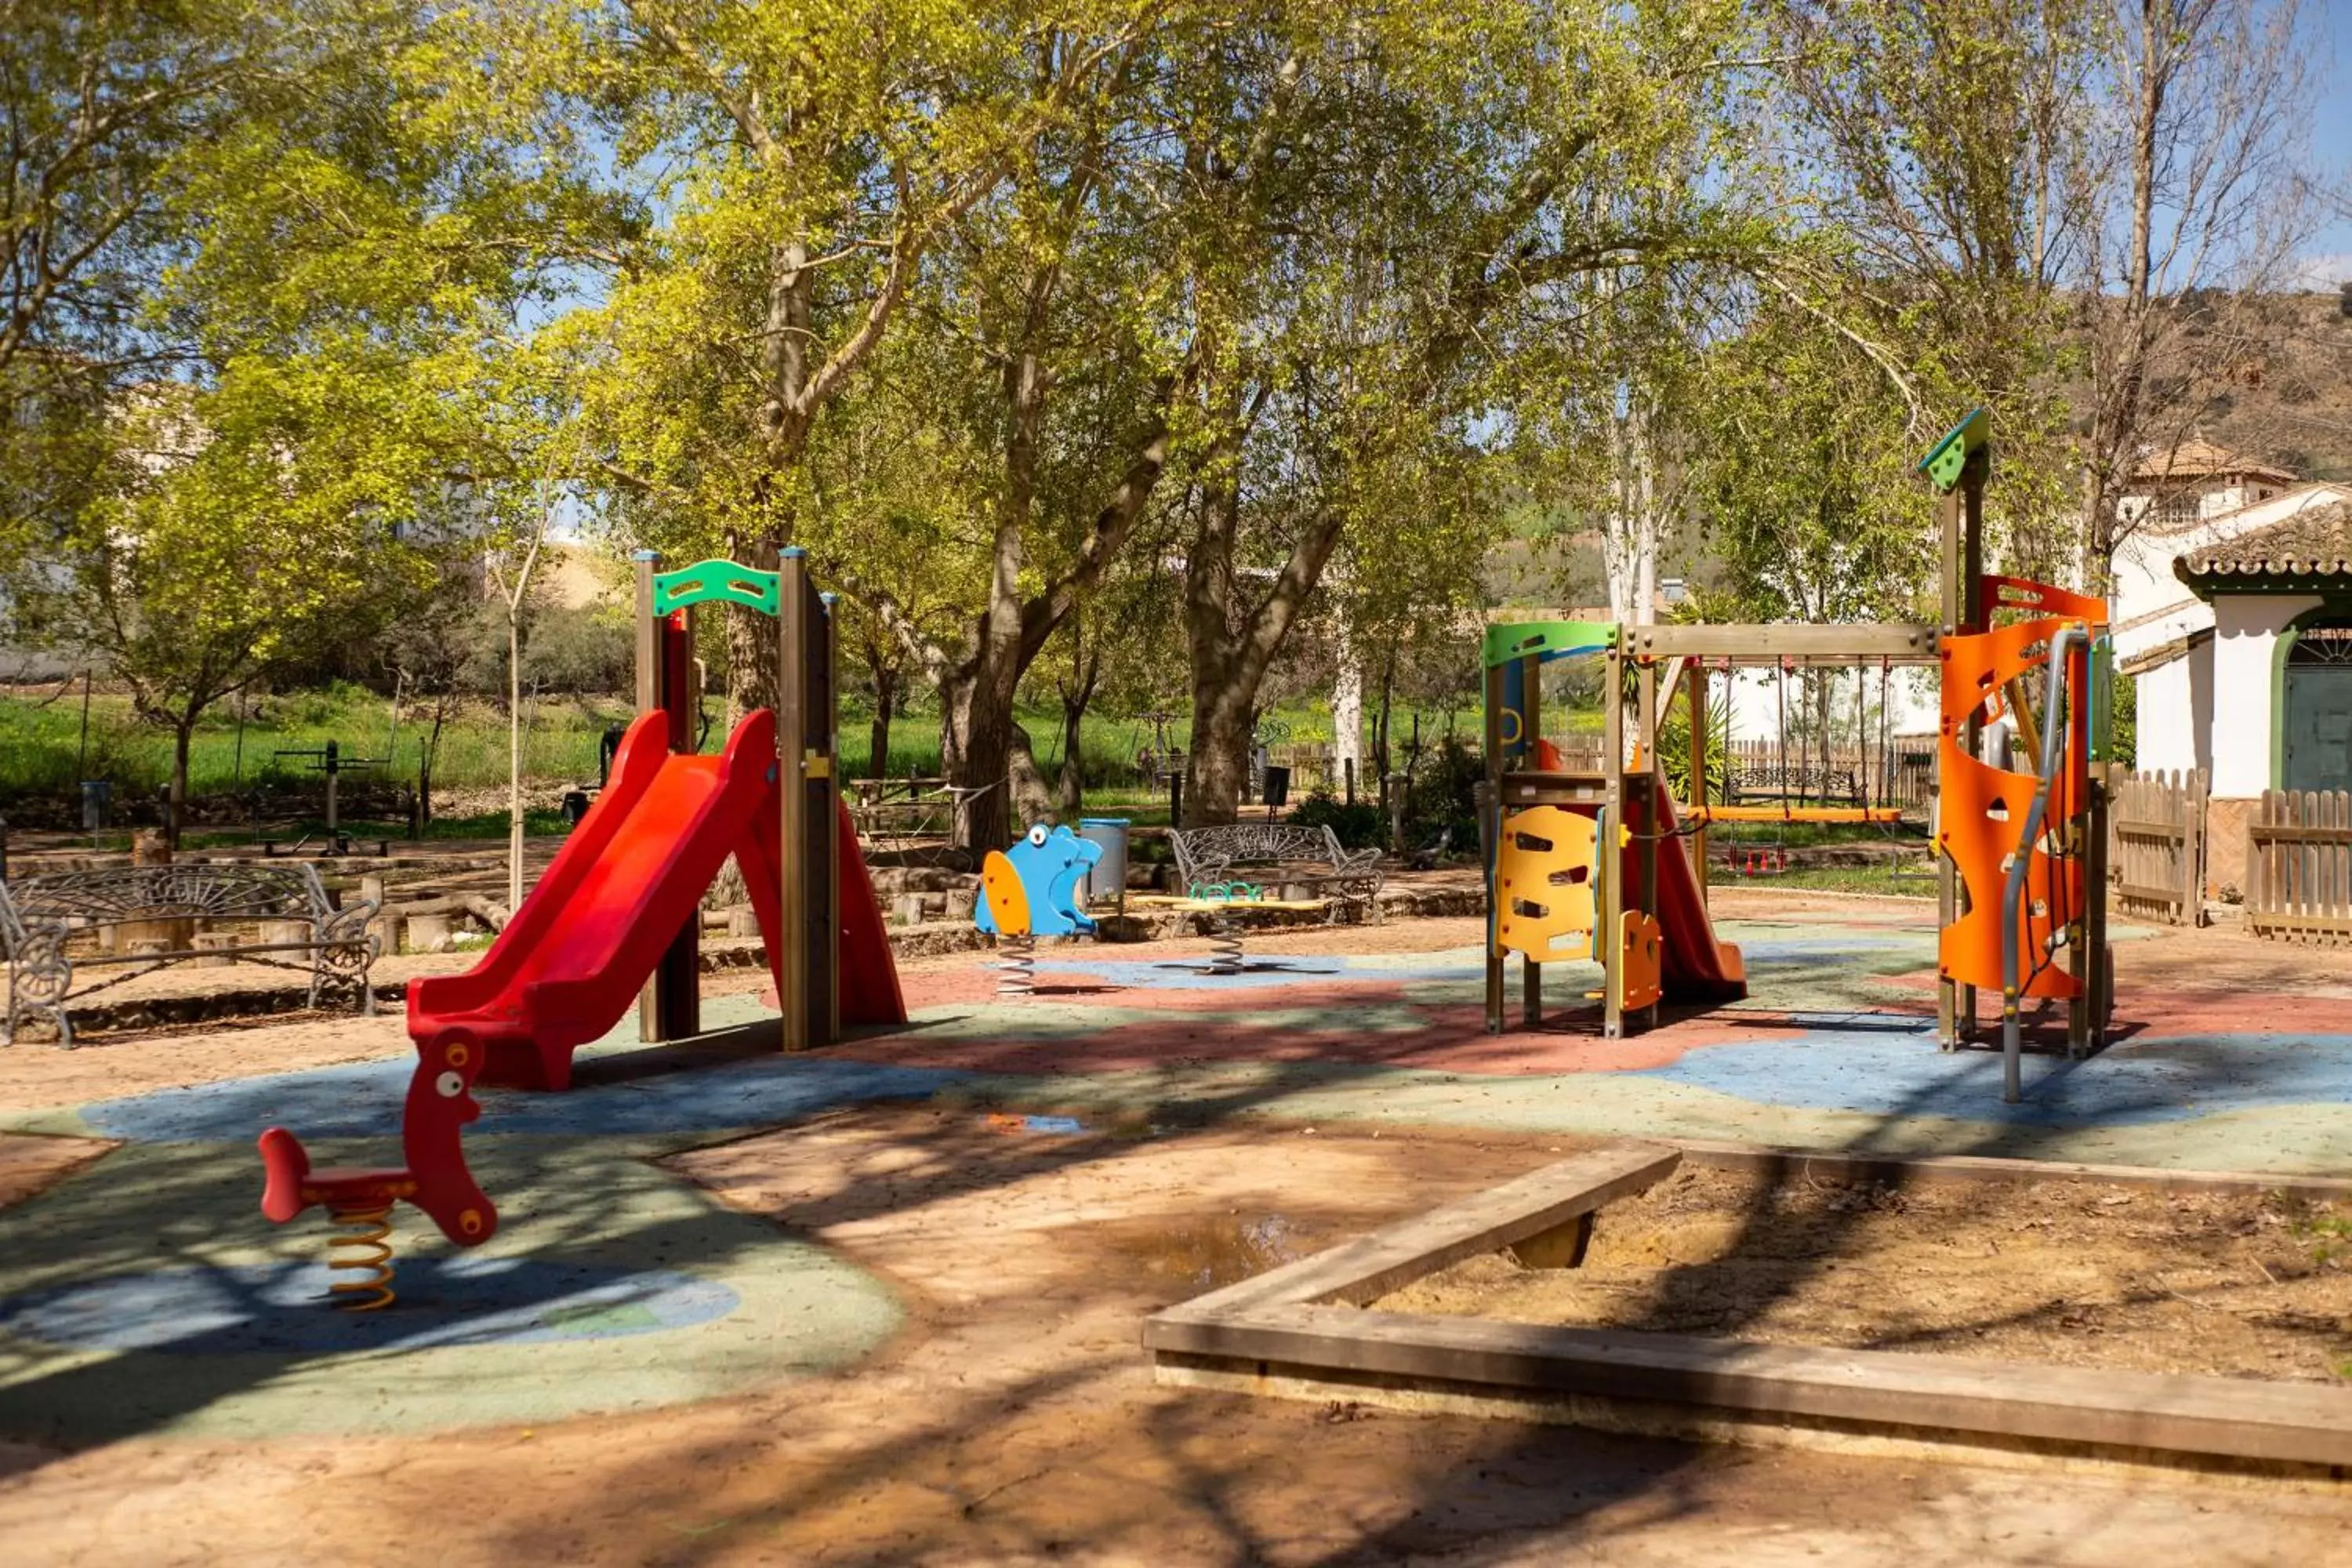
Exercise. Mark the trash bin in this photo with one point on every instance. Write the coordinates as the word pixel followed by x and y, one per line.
pixel 1107 876
pixel 96 795
pixel 1277 792
pixel 575 806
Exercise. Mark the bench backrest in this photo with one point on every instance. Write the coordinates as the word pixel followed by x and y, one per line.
pixel 196 889
pixel 1256 843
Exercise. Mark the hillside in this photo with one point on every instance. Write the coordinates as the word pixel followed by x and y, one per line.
pixel 2292 406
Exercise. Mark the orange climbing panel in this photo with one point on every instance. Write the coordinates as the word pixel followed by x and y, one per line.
pixel 1641 963
pixel 1544 885
pixel 1981 809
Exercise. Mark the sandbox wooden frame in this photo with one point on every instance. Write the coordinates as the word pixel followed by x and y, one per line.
pixel 1301 1330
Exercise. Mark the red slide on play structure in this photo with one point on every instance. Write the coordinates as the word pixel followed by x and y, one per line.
pixel 571 961
pixel 1695 966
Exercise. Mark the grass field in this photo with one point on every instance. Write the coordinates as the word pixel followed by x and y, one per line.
pixel 42 749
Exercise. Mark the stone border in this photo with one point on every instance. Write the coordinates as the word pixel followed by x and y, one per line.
pixel 1299 1330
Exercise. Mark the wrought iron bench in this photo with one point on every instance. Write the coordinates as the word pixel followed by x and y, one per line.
pixel 50 927
pixel 1279 853
pixel 1791 781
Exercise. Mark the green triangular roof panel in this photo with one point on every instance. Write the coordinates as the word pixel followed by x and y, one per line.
pixel 1947 457
pixel 1507 640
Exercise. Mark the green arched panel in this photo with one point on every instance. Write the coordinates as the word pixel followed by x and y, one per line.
pixel 726 580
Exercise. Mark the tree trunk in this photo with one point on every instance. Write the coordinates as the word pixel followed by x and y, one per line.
pixel 754 647
pixel 886 697
pixel 1218 766
pixel 975 749
pixel 1347 715
pixel 1032 801
pixel 514 758
pixel 1071 794
pixel 182 737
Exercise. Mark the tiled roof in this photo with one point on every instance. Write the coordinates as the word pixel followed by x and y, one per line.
pixel 2197 458
pixel 2313 543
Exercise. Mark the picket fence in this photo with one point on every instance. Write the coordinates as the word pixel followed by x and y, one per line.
pixel 2299 868
pixel 2155 846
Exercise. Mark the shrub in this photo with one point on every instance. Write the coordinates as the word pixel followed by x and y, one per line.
pixel 1357 827
pixel 1444 797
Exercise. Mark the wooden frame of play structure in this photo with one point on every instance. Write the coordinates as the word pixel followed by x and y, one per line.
pixel 807 725
pixel 1589 862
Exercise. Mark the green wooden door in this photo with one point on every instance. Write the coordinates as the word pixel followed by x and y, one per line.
pixel 2318 727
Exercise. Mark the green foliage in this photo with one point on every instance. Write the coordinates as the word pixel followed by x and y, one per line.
pixel 1675 751
pixel 1443 800
pixel 1357 827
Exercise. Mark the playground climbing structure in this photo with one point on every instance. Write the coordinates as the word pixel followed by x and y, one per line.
pixel 1601 861
pixel 616 917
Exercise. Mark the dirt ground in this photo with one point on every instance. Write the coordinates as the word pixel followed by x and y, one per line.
pixel 2071 1276
pixel 1014 1420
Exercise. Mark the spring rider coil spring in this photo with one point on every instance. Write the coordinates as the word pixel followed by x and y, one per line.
pixel 357 1201
pixel 1225 942
pixel 1017 970
pixel 360 1245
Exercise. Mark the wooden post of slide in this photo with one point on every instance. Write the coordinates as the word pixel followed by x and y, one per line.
pixel 1696 680
pixel 792 706
pixel 1530 734
pixel 1650 783
pixel 824 833
pixel 1959 512
pixel 669 1007
pixel 1607 924
pixel 1492 815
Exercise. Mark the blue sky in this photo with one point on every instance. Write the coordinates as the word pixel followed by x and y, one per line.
pixel 2331 129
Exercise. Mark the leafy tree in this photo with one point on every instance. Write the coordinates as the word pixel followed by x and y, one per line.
pixel 2195 197
pixel 340 308
pixel 1387 204
pixel 807 161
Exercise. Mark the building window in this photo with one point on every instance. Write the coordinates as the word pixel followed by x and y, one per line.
pixel 2177 510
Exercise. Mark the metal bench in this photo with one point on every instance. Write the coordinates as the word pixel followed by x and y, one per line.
pixel 1279 853
pixel 51 926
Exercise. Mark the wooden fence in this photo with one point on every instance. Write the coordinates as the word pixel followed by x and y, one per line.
pixel 2299 868
pixel 2155 846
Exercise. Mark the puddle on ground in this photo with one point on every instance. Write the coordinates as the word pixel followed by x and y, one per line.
pixel 1204 1252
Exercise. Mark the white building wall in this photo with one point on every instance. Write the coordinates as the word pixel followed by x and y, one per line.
pixel 2246 632
pixel 2151 606
pixel 2175 709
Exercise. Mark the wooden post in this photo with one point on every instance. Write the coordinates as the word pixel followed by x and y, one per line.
pixel 824 958
pixel 645 563
pixel 792 705
pixel 1491 815
pixel 1531 732
pixel 2193 850
pixel 1959 513
pixel 1697 683
pixel 1651 784
pixel 1607 934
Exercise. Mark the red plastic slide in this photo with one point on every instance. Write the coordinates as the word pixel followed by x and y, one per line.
pixel 570 964
pixel 1695 966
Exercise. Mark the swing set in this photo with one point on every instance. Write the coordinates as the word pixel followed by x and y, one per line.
pixel 1603 863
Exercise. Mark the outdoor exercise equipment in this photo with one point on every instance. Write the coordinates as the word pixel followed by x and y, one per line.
pixel 1591 860
pixel 617 915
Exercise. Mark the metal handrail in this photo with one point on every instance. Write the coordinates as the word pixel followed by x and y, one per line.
pixel 2054 731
